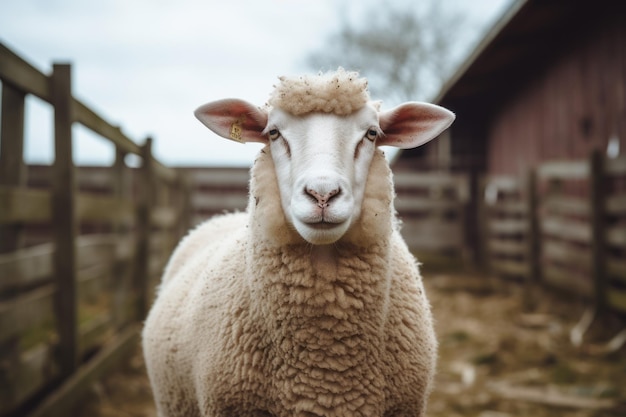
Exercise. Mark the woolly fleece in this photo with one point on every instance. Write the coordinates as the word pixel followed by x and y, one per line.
pixel 255 324
pixel 340 92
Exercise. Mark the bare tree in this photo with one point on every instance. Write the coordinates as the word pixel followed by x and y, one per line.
pixel 405 51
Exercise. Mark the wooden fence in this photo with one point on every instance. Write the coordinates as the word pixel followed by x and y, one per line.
pixel 563 225
pixel 216 190
pixel 433 210
pixel 71 300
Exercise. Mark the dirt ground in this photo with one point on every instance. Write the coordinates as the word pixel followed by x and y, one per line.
pixel 498 358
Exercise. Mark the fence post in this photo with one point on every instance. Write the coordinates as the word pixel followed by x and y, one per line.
pixel 597 195
pixel 64 221
pixel 12 168
pixel 144 214
pixel 122 191
pixel 482 215
pixel 472 231
pixel 184 223
pixel 534 237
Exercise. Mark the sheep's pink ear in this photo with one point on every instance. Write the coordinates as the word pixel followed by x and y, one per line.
pixel 234 119
pixel 413 124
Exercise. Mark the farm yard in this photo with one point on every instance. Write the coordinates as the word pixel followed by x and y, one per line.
pixel 518 213
pixel 496 359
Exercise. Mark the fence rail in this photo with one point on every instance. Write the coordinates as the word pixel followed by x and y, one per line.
pixel 72 297
pixel 433 207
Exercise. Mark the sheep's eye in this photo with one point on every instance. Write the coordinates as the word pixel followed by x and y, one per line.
pixel 372 134
pixel 273 134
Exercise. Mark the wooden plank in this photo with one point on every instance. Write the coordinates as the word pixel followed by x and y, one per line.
pixel 64 225
pixel 616 236
pixel 144 210
pixel 28 310
pixel 428 180
pixel 567 229
pixel 406 204
pixel 25 311
pixel 222 178
pixel 95 249
pixel 121 291
pixel 218 202
pixel 201 218
pixel 94 280
pixel 508 208
pixel 432 235
pixel 508 247
pixel 597 196
pixel 25 267
pixel 184 201
pixel 563 170
pixel 164 217
pixel 563 279
pixel 616 205
pixel 566 206
pixel 94 333
pixel 504 184
pixel 510 267
pixel 12 168
pixel 61 402
pixel 616 268
pixel 87 178
pixel 615 166
pixel 549 398
pixel 508 226
pixel 533 238
pixel 125 248
pixel 22 205
pixel 156 266
pixel 163 173
pixel 104 208
pixel 567 254
pixel 161 241
pixel 21 75
pixel 92 121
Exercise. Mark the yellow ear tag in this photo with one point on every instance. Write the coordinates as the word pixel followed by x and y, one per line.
pixel 236 131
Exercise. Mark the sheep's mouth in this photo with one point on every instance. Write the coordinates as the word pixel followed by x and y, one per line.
pixel 323 225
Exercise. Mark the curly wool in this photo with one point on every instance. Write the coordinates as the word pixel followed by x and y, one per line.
pixel 340 92
pixel 249 325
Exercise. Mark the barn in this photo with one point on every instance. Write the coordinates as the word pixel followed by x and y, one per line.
pixel 540 134
pixel 548 81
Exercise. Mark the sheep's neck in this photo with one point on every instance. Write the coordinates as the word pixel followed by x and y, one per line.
pixel 324 260
pixel 334 283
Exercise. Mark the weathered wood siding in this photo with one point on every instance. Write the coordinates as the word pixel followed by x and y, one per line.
pixel 564 112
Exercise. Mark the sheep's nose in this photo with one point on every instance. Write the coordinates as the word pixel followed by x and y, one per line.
pixel 322 197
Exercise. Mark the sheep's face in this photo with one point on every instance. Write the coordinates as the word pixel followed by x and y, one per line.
pixel 321 163
pixel 322 159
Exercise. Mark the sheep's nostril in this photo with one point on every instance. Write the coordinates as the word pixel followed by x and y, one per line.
pixel 322 198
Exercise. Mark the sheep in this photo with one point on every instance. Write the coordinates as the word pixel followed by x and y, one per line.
pixel 309 303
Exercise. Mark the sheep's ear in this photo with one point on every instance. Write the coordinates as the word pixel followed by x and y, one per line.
pixel 234 119
pixel 413 124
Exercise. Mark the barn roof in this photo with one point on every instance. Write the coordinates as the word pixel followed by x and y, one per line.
pixel 519 46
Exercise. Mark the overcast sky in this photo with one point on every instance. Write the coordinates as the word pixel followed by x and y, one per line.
pixel 147 64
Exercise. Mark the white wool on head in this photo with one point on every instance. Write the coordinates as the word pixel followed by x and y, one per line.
pixel 340 92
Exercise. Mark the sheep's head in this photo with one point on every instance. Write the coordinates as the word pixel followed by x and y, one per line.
pixel 322 143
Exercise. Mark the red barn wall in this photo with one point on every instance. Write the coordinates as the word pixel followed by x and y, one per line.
pixel 564 112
